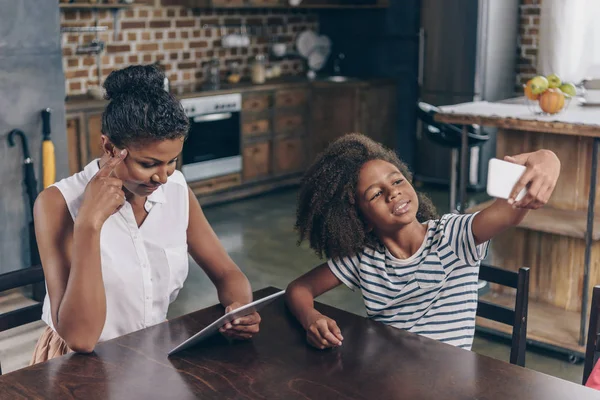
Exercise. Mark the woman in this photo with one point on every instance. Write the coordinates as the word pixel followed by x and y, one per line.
pixel 114 238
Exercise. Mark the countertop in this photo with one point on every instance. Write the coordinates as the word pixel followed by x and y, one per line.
pixel 84 102
pixel 514 114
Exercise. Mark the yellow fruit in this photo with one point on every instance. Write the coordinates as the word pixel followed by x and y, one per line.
pixel 568 89
pixel 552 101
pixel 539 84
pixel 553 81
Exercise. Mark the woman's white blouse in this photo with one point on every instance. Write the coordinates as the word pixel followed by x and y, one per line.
pixel 143 268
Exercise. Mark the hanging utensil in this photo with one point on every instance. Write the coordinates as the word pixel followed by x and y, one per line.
pixel 31 187
pixel 48 158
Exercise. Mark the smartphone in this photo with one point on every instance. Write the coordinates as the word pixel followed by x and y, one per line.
pixel 502 178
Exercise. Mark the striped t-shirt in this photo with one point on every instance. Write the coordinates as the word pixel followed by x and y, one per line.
pixel 433 292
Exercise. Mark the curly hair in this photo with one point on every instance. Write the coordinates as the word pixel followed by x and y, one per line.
pixel 327 213
pixel 140 109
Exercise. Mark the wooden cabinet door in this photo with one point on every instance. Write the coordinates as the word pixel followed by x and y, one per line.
pixel 256 160
pixel 290 155
pixel 335 111
pixel 74 143
pixel 94 142
pixel 380 114
pixel 291 98
pixel 288 122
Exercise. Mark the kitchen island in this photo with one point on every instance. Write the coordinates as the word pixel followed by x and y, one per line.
pixel 560 242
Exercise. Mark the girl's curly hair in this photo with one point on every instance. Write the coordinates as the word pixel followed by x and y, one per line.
pixel 327 213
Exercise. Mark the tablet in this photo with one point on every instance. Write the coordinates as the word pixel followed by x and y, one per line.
pixel 502 178
pixel 230 316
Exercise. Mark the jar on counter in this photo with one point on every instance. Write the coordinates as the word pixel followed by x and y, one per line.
pixel 235 73
pixel 213 75
pixel 259 69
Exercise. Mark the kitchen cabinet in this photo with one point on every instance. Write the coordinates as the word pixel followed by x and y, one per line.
pixel 335 111
pixel 290 155
pixel 273 133
pixel 256 160
pixel 84 143
pixel 338 109
pixel 378 116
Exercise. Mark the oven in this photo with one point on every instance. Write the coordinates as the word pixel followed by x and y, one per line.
pixel 213 144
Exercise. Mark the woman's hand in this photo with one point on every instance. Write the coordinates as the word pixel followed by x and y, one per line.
pixel 103 194
pixel 243 327
pixel 322 332
pixel 543 169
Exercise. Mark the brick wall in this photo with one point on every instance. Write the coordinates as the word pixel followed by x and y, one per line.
pixel 527 49
pixel 156 30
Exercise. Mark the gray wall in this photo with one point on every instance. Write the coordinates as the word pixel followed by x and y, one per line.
pixel 31 79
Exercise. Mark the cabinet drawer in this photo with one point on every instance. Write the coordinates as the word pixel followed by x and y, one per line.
pixel 291 98
pixel 255 102
pixel 257 127
pixel 94 128
pixel 290 155
pixel 215 184
pixel 289 122
pixel 256 159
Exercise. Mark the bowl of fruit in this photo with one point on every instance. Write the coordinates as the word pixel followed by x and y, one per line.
pixel 548 95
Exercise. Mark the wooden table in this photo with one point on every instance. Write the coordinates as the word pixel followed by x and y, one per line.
pixel 375 362
pixel 559 243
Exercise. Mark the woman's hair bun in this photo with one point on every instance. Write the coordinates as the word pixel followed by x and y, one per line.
pixel 135 80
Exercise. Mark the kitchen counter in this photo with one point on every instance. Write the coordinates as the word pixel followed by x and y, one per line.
pixel 82 103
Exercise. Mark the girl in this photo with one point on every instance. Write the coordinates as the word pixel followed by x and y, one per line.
pixel 415 271
pixel 114 238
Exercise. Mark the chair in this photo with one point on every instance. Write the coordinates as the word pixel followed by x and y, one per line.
pixel 517 317
pixel 592 349
pixel 25 315
pixel 448 135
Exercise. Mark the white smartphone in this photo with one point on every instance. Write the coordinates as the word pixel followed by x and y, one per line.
pixel 502 178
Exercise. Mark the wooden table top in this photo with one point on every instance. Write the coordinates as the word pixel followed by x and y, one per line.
pixel 375 362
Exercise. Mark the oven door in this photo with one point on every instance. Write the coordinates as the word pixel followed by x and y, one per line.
pixel 212 147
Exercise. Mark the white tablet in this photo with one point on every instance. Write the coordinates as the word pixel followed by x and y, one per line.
pixel 230 316
pixel 502 178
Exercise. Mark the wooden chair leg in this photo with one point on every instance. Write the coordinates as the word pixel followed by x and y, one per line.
pixel 592 335
pixel 519 336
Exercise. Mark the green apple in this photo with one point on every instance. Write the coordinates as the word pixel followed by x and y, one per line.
pixel 568 88
pixel 539 85
pixel 553 81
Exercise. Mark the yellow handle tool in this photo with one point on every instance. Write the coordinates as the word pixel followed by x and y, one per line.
pixel 48 158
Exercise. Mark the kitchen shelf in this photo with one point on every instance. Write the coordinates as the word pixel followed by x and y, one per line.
pixel 90 6
pixel 548 326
